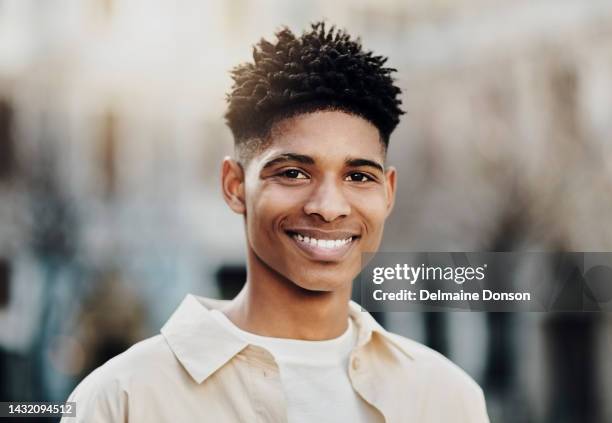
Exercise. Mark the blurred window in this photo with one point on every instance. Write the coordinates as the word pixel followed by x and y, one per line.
pixel 7 141
pixel 5 280
pixel 230 279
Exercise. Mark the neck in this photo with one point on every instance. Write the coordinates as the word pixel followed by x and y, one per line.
pixel 272 305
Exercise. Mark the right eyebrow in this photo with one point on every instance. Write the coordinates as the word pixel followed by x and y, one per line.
pixel 289 157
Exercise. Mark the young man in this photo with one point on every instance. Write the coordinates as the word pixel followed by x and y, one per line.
pixel 311 119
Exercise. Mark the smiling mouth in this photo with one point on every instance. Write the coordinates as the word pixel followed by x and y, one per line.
pixel 329 249
pixel 322 243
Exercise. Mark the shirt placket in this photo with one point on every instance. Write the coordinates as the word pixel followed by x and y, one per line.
pixel 361 380
pixel 269 402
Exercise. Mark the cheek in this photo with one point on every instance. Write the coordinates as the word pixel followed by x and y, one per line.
pixel 268 206
pixel 372 209
pixel 372 205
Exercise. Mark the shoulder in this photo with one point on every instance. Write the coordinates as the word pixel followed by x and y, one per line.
pixel 103 395
pixel 444 377
pixel 134 366
pixel 437 386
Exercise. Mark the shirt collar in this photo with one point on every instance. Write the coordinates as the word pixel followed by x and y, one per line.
pixel 367 326
pixel 197 340
pixel 203 346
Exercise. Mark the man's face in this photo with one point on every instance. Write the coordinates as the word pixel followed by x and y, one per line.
pixel 317 197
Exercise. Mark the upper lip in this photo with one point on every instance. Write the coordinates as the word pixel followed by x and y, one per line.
pixel 322 234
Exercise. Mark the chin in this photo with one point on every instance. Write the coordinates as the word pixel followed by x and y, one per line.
pixel 322 282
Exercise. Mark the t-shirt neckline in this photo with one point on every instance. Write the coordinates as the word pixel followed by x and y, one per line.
pixel 317 353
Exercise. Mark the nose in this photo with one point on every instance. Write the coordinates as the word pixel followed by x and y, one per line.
pixel 328 201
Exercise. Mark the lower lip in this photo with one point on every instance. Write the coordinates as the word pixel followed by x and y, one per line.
pixel 324 254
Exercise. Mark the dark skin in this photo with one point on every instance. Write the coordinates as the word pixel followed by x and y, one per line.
pixel 313 199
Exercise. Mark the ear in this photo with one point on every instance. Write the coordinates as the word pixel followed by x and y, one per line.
pixel 232 185
pixel 390 186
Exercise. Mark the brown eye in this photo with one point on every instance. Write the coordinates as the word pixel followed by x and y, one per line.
pixel 358 177
pixel 293 174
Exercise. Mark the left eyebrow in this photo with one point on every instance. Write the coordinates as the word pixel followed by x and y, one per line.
pixel 364 162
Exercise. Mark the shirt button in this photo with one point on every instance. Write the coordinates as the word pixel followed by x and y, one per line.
pixel 356 363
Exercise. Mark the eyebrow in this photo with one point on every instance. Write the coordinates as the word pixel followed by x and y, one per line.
pixel 304 159
pixel 290 157
pixel 364 162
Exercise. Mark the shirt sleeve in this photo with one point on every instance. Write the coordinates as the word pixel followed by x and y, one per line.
pixel 99 401
pixel 478 407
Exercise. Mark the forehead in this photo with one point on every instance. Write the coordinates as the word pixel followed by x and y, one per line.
pixel 327 136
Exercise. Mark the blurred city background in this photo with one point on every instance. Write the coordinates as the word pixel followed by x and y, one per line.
pixel 111 135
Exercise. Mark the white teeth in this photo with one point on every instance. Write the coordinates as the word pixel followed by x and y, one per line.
pixel 323 243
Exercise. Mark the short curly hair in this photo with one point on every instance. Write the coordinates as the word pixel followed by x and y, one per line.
pixel 321 70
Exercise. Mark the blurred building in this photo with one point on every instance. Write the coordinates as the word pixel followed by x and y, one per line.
pixel 111 135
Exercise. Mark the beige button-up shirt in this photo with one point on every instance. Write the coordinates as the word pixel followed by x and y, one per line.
pixel 197 371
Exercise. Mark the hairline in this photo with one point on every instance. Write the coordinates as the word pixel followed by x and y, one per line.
pixel 245 150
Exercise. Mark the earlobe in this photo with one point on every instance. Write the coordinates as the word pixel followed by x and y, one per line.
pixel 232 185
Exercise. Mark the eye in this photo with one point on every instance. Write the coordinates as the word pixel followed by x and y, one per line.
pixel 294 174
pixel 358 177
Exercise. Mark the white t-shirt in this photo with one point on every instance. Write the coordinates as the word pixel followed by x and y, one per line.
pixel 314 375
